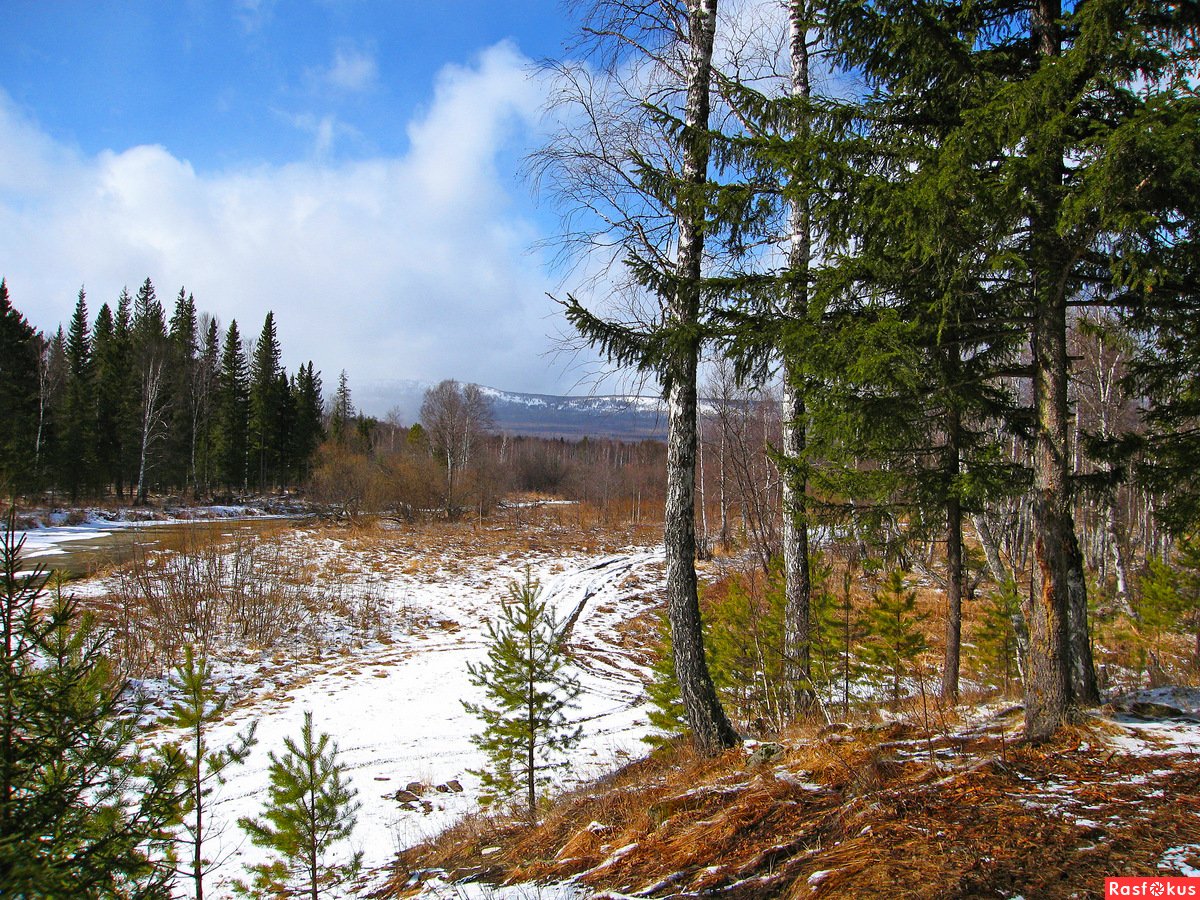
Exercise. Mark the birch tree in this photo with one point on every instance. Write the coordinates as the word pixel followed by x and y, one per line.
pixel 633 161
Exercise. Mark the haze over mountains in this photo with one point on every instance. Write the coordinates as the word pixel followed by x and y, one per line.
pixel 543 415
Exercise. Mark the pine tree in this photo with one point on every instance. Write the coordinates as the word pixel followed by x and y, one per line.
pixel 891 640
pixel 529 691
pixel 52 389
pixel 662 690
pixel 310 808
pixel 997 636
pixel 84 811
pixel 745 641
pixel 198 706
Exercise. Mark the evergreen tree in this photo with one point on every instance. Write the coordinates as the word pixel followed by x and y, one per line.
pixel 152 361
pixel 1169 598
pixel 662 690
pixel 198 707
pixel 19 366
pixel 997 635
pixel 53 388
pixel 208 375
pixel 84 811
pixel 126 376
pixel 891 639
pixel 341 413
pixel 232 413
pixel 309 809
pixel 108 381
pixel 267 406
pixel 745 641
pixel 183 352
pixel 528 691
pixel 308 429
pixel 77 428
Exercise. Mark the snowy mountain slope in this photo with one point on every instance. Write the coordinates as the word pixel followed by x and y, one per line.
pixel 628 417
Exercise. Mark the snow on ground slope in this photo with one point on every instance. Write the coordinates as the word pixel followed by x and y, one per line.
pixel 395 708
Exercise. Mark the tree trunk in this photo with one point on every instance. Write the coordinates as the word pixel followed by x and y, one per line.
pixel 991 549
pixel 711 729
pixel 954 593
pixel 1056 610
pixel 954 549
pixel 797 584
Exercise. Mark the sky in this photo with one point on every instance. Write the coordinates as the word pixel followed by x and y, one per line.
pixel 351 165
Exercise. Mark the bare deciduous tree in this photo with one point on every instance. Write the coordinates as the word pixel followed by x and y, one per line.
pixel 455 418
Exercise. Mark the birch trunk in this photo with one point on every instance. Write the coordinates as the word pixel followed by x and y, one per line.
pixel 711 729
pixel 797 584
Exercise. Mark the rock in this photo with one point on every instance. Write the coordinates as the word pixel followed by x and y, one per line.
pixel 416 787
pixel 406 797
pixel 764 755
pixel 455 787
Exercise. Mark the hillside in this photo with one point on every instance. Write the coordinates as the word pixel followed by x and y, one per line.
pixel 542 415
pixel 914 807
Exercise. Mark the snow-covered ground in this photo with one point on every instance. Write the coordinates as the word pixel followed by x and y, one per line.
pixel 394 703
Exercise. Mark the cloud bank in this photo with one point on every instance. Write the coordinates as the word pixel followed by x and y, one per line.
pixel 415 266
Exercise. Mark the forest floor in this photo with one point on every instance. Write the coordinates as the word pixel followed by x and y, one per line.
pixel 939 807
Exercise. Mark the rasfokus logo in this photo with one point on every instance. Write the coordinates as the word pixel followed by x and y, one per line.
pixel 1152 887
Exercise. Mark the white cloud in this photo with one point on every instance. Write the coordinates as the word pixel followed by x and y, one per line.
pixel 406 267
pixel 352 70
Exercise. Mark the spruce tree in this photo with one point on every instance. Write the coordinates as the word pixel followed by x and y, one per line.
pixel 183 352
pixel 197 707
pixel 126 376
pixel 107 372
pixel 85 812
pixel 309 810
pixel 309 414
pixel 267 406
pixel 19 366
pixel 528 692
pixel 232 412
pixel 78 427
pixel 208 375
pixel 341 413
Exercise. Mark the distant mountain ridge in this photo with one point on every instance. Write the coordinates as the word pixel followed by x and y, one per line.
pixel 543 415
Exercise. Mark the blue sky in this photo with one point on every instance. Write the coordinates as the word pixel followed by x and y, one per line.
pixel 349 164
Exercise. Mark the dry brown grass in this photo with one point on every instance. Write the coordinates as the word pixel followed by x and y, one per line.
pixel 847 813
